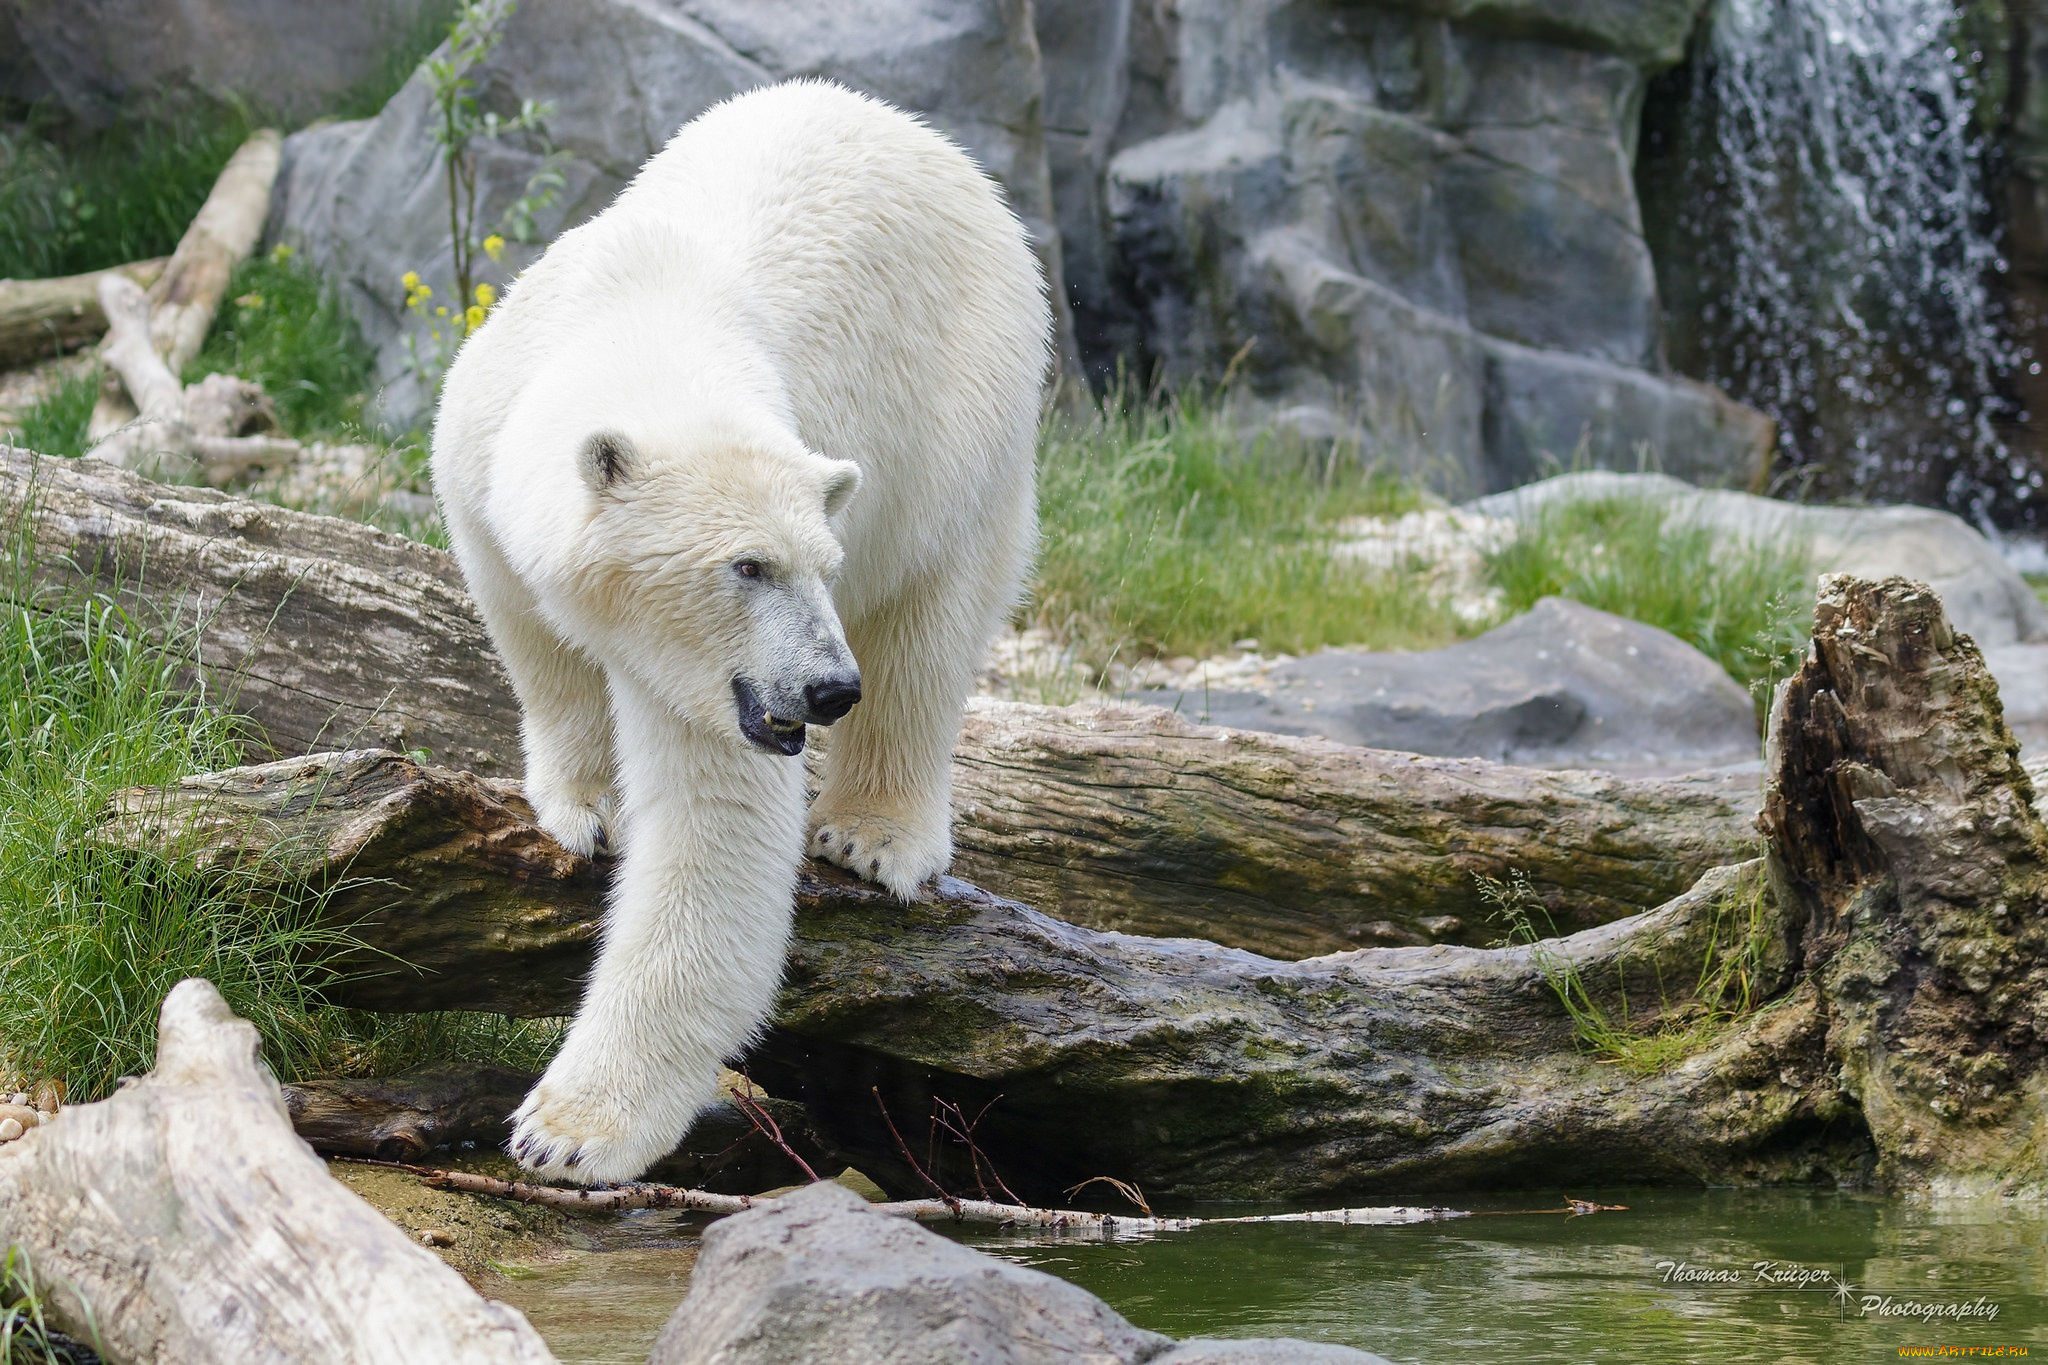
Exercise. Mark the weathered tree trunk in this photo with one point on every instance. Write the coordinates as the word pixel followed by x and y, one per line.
pixel 1191 1068
pixel 1200 1070
pixel 185 1223
pixel 402 1118
pixel 1131 818
pixel 329 634
pixel 1903 831
pixel 184 300
pixel 325 632
pixel 43 318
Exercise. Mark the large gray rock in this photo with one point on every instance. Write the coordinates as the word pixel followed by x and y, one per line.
pixel 1985 596
pixel 1417 220
pixel 367 201
pixel 818 1276
pixel 295 57
pixel 1563 685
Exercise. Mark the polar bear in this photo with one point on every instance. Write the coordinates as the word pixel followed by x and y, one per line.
pixel 750 447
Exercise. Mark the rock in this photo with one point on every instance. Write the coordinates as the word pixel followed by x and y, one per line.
pixel 1424 226
pixel 2022 673
pixel 1563 685
pixel 295 56
pixel 1983 595
pixel 817 1276
pixel 436 1237
pixel 10 1129
pixel 367 201
pixel 21 1114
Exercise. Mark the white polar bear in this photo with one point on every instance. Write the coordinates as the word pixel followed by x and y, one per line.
pixel 770 415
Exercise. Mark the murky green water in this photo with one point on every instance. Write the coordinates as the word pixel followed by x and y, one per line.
pixel 1540 1288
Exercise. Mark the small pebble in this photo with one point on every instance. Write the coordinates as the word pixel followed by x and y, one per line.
pixel 19 1097
pixel 21 1114
pixel 433 1237
pixel 10 1129
pixel 49 1096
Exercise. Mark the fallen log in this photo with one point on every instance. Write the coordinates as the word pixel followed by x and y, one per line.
pixel 185 298
pixel 182 1221
pixel 44 318
pixel 1131 818
pixel 1197 1070
pixel 403 1118
pixel 328 634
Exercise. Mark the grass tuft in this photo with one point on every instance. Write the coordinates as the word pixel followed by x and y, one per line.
pixel 92 702
pixel 283 327
pixel 56 423
pixel 1725 989
pixel 1744 604
pixel 26 1337
pixel 1163 534
pixel 73 199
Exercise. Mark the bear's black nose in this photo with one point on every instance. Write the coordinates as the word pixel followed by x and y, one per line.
pixel 827 701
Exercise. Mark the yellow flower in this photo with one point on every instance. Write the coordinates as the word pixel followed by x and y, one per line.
pixel 250 301
pixel 442 311
pixel 411 280
pixel 494 247
pixel 281 253
pixel 474 317
pixel 486 295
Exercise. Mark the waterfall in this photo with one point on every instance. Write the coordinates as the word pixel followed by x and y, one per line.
pixel 1835 209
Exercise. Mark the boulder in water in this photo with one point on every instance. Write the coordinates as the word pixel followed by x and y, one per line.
pixel 819 1276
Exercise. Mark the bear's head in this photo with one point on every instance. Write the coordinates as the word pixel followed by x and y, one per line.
pixel 706 565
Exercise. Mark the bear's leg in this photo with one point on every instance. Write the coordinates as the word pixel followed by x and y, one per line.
pixel 565 717
pixel 885 810
pixel 692 951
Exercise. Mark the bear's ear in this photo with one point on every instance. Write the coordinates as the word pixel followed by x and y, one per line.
pixel 605 460
pixel 842 480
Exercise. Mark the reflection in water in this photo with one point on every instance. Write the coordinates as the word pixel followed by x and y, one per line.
pixel 1528 1288
pixel 1586 1289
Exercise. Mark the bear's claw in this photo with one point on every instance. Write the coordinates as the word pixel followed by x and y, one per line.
pixel 882 850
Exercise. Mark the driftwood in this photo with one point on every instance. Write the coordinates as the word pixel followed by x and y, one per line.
pixel 402 1118
pixel 44 318
pixel 1197 1070
pixel 329 634
pixel 181 433
pixel 185 298
pixel 183 1222
pixel 618 1198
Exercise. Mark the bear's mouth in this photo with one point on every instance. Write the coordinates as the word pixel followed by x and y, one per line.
pixel 762 730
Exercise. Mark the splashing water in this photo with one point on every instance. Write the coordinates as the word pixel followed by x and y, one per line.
pixel 1837 207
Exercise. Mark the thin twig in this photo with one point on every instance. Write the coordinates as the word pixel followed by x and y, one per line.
pixel 964 1131
pixel 1122 1187
pixel 904 1148
pixel 765 1124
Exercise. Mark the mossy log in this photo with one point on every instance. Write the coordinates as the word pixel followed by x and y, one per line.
pixel 1199 1070
pixel 177 1223
pixel 327 634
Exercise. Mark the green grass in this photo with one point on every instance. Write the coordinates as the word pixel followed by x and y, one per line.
pixel 1745 605
pixel 1162 534
pixel 56 425
pixel 92 936
pixel 2039 582
pixel 26 1337
pixel 73 200
pixel 1725 988
pixel 282 326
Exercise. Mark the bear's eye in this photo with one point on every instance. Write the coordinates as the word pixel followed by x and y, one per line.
pixel 750 568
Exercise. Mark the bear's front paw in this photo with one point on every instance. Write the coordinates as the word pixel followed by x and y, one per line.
pixel 567 1133
pixel 901 855
pixel 584 825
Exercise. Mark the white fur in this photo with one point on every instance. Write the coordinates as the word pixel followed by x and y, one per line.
pixel 804 281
